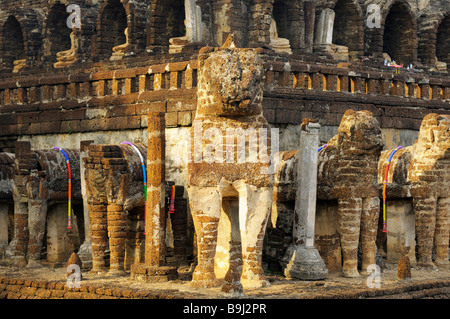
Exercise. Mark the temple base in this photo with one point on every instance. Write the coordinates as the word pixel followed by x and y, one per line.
pixel 148 273
pixel 304 263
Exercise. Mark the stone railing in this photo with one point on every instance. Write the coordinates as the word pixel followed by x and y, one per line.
pixel 98 101
pixel 183 75
pixel 334 79
pixel 50 88
pixel 120 99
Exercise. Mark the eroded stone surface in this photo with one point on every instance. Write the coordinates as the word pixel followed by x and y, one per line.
pixel 229 97
pixel 422 172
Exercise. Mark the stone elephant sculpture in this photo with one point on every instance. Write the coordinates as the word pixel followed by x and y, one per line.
pixel 422 172
pixel 230 91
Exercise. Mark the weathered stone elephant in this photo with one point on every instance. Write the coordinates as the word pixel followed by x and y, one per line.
pixel 116 197
pixel 114 186
pixel 40 204
pixel 348 172
pixel 230 91
pixel 422 172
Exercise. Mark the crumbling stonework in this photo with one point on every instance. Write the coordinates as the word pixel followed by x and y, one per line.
pixel 404 268
pixel 6 199
pixel 421 172
pixel 348 173
pixel 114 183
pixel 115 193
pixel 99 81
pixel 348 156
pixel 229 97
pixel 41 197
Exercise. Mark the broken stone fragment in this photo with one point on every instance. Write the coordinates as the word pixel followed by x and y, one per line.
pixel 404 268
pixel 73 260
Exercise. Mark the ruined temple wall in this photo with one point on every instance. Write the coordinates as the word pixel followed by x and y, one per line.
pixel 147 21
pixel 98 104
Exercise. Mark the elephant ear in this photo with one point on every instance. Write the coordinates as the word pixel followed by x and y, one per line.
pixel 206 51
pixel 203 54
pixel 229 42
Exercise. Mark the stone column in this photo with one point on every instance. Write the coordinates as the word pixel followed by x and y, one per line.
pixel 193 21
pixel 324 28
pixel 310 17
pixel 17 249
pixel 302 259
pixel 37 215
pixel 85 251
pixel 425 214
pixel 155 267
pixel 441 233
pixel 155 223
pixel 116 221
pixel 99 236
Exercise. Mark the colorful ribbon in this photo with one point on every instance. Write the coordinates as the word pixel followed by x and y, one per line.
pixel 69 220
pixel 145 177
pixel 384 186
pixel 172 201
pixel 322 147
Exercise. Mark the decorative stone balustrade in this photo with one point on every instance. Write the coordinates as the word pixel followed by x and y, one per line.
pixel 120 99
pixel 334 79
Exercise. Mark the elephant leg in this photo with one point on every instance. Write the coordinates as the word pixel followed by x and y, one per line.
pixel 441 233
pixel 3 227
pixel 20 242
pixel 255 204
pixel 205 204
pixel 349 211
pixel 117 229
pixel 232 283
pixel 369 226
pixel 99 236
pixel 37 216
pixel 425 213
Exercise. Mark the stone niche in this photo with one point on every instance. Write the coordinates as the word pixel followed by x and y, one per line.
pixel 327 235
pixel 401 231
pixel 192 25
pixel 323 40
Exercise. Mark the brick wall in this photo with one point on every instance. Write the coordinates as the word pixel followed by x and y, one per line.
pixel 12 288
pixel 152 23
pixel 120 99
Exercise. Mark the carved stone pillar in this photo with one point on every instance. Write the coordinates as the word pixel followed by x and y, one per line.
pixel 302 259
